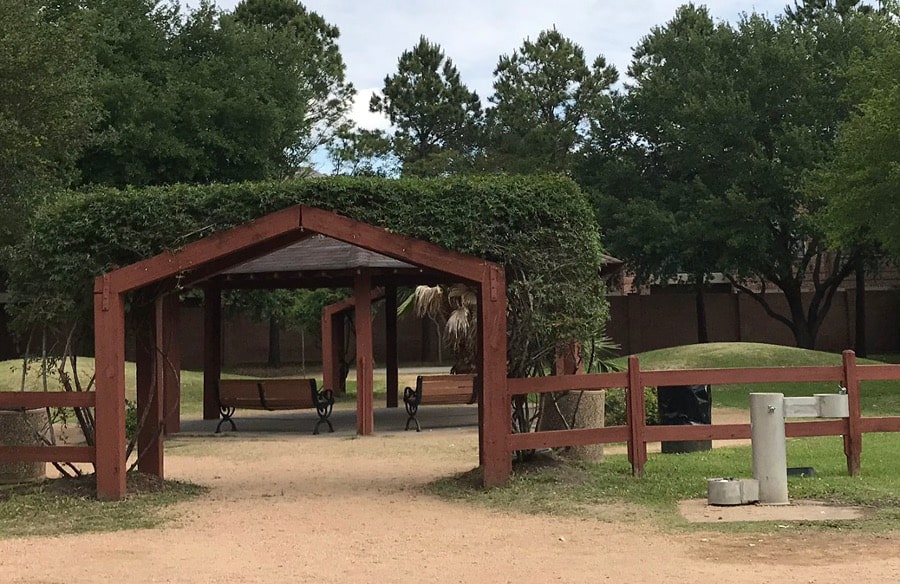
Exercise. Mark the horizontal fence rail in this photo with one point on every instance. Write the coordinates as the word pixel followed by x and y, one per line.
pixel 637 434
pixel 29 400
pixel 17 400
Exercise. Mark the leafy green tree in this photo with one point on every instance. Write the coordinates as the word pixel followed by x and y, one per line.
pixel 135 142
pixel 437 118
pixel 307 70
pixel 46 109
pixel 862 182
pixel 361 152
pixel 210 96
pixel 545 95
pixel 809 10
pixel 723 123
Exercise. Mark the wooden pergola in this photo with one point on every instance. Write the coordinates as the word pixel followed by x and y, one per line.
pixel 298 247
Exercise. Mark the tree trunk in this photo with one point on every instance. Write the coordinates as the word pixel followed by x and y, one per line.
pixel 860 344
pixel 804 330
pixel 274 361
pixel 702 332
pixel 575 409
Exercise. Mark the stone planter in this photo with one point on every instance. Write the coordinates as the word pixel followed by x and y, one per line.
pixel 17 428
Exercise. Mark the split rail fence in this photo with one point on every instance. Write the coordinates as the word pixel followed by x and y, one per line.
pixel 637 434
pixel 17 400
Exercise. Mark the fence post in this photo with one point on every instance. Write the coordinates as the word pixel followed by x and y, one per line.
pixel 853 437
pixel 636 417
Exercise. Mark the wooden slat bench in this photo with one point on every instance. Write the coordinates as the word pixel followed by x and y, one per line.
pixel 439 390
pixel 273 394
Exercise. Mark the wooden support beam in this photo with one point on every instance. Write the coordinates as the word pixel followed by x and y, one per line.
pixel 635 413
pixel 379 240
pixel 168 311
pixel 216 252
pixel 365 412
pixel 109 351
pixel 495 411
pixel 332 345
pixel 46 454
pixel 14 400
pixel 149 395
pixel 853 437
pixel 390 352
pixel 212 351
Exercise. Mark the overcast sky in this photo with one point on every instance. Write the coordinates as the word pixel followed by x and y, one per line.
pixel 474 33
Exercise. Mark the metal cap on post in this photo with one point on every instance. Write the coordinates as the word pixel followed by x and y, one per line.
pixel 768 444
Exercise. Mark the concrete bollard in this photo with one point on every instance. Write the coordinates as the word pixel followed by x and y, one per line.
pixel 768 445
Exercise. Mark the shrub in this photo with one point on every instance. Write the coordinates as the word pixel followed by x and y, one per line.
pixel 615 407
pixel 540 228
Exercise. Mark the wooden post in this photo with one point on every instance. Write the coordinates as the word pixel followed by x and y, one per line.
pixel 109 354
pixel 853 437
pixel 212 351
pixel 332 348
pixel 390 352
pixel 328 356
pixel 568 360
pixel 635 413
pixel 168 310
pixel 495 411
pixel 149 398
pixel 365 412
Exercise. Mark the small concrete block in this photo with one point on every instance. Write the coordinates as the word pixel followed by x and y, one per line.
pixel 732 491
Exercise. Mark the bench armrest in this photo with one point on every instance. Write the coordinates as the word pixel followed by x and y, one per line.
pixel 412 397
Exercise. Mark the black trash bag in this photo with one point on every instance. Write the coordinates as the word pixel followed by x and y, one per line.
pixel 681 405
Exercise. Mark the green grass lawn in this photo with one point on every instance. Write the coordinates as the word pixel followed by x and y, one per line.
pixel 67 506
pixel 581 489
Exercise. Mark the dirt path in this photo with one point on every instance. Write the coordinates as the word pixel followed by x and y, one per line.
pixel 294 508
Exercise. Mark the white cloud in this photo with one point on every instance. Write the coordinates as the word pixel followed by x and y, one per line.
pixel 474 33
pixel 362 116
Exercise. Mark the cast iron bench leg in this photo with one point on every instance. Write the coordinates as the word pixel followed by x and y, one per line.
pixel 226 417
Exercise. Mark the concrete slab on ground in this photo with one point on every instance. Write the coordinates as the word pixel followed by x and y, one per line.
pixel 699 511
pixel 342 418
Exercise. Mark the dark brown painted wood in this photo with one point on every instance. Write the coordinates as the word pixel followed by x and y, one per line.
pixel 365 407
pixel 853 436
pixel 636 411
pixel 496 406
pixel 46 454
pixel 885 424
pixel 392 365
pixel 168 311
pixel 149 396
pixel 749 375
pixel 46 399
pixel 815 428
pixel 225 248
pixel 877 372
pixel 334 337
pixel 585 382
pixel 561 438
pixel 330 350
pixel 212 351
pixel 713 432
pixel 109 351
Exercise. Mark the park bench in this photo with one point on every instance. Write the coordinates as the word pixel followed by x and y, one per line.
pixel 439 390
pixel 273 394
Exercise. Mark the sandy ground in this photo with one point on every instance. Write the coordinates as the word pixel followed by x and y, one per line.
pixel 296 508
